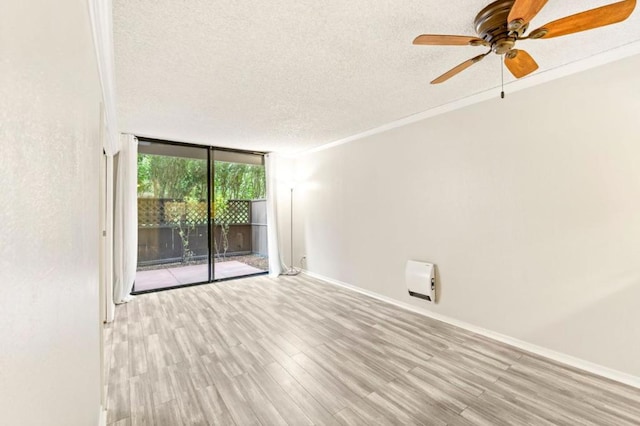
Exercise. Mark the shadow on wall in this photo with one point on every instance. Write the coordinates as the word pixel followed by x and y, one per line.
pixel 438 284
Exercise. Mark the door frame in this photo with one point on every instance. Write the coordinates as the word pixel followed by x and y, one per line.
pixel 210 198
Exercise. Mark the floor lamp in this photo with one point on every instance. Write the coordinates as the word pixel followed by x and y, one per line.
pixel 290 269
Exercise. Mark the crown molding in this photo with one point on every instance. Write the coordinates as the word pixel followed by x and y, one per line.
pixel 594 61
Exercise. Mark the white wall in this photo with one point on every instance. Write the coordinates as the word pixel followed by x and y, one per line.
pixel 50 150
pixel 530 207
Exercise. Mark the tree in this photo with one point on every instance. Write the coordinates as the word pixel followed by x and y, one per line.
pixel 176 178
pixel 234 181
pixel 171 177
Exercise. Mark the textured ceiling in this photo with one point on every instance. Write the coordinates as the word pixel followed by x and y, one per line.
pixel 287 75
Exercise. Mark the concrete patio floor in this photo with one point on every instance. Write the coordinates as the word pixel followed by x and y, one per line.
pixel 181 275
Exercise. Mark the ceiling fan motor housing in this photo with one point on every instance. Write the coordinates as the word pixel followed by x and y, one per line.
pixel 491 26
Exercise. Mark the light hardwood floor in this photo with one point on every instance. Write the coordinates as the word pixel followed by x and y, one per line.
pixel 297 351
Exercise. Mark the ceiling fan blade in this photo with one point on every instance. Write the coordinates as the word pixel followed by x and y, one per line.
pixel 594 18
pixel 448 40
pixel 520 63
pixel 459 68
pixel 525 10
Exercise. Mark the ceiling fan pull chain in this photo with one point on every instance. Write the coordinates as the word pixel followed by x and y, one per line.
pixel 502 76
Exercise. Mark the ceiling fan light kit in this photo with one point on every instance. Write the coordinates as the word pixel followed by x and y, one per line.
pixel 502 23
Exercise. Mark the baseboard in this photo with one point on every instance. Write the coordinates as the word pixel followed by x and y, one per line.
pixel 562 358
pixel 102 417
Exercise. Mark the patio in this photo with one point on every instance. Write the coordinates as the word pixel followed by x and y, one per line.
pixel 165 225
pixel 180 275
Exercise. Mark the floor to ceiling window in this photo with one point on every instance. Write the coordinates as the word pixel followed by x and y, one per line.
pixel 201 215
pixel 239 216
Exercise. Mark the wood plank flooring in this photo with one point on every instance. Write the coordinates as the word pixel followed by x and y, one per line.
pixel 293 350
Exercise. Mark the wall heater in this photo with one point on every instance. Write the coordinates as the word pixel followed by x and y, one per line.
pixel 421 280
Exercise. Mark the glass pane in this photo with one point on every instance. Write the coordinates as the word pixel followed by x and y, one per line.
pixel 239 216
pixel 173 232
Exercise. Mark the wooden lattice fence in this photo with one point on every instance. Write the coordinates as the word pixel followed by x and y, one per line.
pixel 237 212
pixel 154 212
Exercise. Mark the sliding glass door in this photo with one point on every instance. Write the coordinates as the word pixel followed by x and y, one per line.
pixel 201 215
pixel 240 225
pixel 173 216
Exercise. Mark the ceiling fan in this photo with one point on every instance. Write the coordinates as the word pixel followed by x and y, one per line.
pixel 502 23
